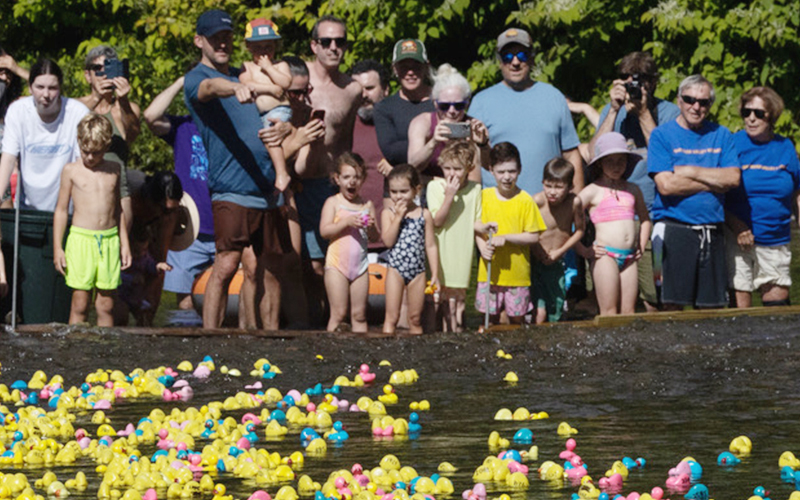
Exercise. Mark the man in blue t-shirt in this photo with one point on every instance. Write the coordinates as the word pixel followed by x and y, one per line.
pixel 240 173
pixel 533 116
pixel 693 163
pixel 635 111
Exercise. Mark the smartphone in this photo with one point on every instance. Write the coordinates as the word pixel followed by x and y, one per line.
pixel 319 114
pixel 113 67
pixel 458 130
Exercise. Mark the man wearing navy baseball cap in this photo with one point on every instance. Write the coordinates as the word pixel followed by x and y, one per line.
pixel 241 176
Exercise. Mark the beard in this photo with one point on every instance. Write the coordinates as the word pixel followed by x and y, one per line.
pixel 366 113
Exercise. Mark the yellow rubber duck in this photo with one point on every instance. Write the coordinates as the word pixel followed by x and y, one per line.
pixel 741 446
pixel 564 429
pixel 388 397
pixel 788 458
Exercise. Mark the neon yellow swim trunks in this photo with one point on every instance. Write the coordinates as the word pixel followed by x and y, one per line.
pixel 93 259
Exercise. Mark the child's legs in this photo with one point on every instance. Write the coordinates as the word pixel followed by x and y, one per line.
pixel 516 302
pixel 338 290
pixel 456 303
pixel 605 276
pixel 629 288
pixel 416 301
pixel 104 305
pixel 247 293
pixel 487 297
pixel 359 293
pixel 80 304
pixel 541 314
pixel 268 119
pixel 394 298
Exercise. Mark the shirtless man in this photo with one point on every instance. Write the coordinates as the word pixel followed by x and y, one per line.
pixel 338 96
pixel 109 98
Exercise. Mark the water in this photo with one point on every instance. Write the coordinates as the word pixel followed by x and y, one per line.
pixel 658 391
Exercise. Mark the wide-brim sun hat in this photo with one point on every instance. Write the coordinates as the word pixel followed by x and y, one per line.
pixel 188 225
pixel 612 143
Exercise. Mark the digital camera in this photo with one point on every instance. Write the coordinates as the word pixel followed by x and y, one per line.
pixel 634 88
pixel 113 68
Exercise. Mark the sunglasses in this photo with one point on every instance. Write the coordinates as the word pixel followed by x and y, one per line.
pixel 298 93
pixel 326 42
pixel 444 107
pixel 636 76
pixel 704 103
pixel 522 56
pixel 760 113
pixel 94 67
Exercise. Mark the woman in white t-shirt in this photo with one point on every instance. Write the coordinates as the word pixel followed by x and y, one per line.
pixel 40 132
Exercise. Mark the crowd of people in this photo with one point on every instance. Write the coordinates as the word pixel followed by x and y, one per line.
pixel 304 175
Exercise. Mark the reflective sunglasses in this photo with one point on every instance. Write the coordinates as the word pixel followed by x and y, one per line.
pixel 522 56
pixel 444 107
pixel 326 41
pixel 704 103
pixel 760 113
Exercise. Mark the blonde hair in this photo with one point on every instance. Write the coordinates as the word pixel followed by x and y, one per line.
pixel 447 76
pixel 94 132
pixel 460 152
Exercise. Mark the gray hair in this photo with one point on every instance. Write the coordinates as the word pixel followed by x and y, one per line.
pixel 447 76
pixel 99 51
pixel 694 81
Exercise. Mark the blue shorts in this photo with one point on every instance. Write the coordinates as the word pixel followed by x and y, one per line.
pixel 310 198
pixel 187 264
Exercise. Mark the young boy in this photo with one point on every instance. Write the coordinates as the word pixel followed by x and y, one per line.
pixel 97 245
pixel 270 80
pixel 455 204
pixel 510 223
pixel 562 211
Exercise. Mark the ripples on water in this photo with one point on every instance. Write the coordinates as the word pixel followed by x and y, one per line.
pixel 658 391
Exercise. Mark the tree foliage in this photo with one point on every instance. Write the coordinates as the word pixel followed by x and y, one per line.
pixel 578 43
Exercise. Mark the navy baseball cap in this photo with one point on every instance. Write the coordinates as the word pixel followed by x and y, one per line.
pixel 212 22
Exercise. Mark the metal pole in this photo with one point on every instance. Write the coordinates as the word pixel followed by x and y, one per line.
pixel 16 259
pixel 488 289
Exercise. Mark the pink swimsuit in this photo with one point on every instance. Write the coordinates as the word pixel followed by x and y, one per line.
pixel 615 205
pixel 348 253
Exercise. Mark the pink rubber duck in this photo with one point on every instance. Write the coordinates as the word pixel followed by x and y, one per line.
pixel 612 483
pixel 365 374
pixel 570 451
pixel 260 495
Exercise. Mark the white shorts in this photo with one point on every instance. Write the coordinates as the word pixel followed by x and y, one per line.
pixel 750 270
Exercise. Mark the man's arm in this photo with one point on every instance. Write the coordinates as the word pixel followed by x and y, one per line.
pixel 672 184
pixel 129 111
pixel 718 180
pixel 574 156
pixel 216 88
pixel 155 114
pixel 7 164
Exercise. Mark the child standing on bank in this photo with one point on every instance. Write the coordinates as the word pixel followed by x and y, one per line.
pixel 510 223
pixel 455 204
pixel 613 204
pixel 270 80
pixel 349 222
pixel 562 212
pixel 407 229
pixel 97 245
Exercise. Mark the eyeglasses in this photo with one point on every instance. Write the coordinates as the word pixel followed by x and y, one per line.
pixel 298 93
pixel 704 103
pixel 326 41
pixel 636 76
pixel 760 113
pixel 94 67
pixel 444 107
pixel 522 56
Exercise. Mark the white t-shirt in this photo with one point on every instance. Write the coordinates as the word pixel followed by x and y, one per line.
pixel 42 148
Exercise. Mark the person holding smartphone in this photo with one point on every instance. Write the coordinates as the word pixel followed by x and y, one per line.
pixel 429 132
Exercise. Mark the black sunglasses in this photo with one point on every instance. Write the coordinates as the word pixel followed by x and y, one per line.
pixel 636 76
pixel 94 67
pixel 297 93
pixel 760 113
pixel 444 107
pixel 326 41
pixel 522 56
pixel 704 103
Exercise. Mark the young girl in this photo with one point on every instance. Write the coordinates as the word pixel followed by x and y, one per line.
pixel 408 232
pixel 349 222
pixel 613 204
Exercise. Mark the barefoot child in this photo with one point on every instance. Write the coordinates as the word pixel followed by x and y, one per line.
pixel 271 80
pixel 509 225
pixel 562 211
pixel 349 222
pixel 97 240
pixel 407 229
pixel 455 204
pixel 613 204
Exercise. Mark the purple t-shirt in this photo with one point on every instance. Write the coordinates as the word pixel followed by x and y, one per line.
pixel 191 166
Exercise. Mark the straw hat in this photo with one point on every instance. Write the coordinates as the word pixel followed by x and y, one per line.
pixel 188 226
pixel 612 143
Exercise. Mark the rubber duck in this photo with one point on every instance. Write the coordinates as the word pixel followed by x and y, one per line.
pixel 697 492
pixel 788 458
pixel 423 405
pixel 787 474
pixel 564 429
pixel 727 459
pixel 329 404
pixel 414 427
pixel 511 378
pixel 495 441
pixel 521 414
pixel 503 414
pixel 612 483
pixel 760 492
pixel 388 397
pixel 523 436
pixel 365 375
pixel 540 415
pixel 550 471
pixel 503 354
pixel 569 452
pixel 679 483
pixel 741 446
pixel 446 468
pixel 338 434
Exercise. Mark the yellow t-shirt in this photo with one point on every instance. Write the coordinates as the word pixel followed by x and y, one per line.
pixel 511 264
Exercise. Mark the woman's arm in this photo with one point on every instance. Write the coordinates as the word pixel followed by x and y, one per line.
pixel 431 249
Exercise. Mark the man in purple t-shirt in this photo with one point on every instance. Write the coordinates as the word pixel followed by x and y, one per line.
pixel 191 166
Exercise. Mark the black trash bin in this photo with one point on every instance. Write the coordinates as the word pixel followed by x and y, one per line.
pixel 42 294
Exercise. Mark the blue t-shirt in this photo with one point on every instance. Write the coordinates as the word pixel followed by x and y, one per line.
pixel 674 146
pixel 239 167
pixel 628 125
pixel 764 198
pixel 536 120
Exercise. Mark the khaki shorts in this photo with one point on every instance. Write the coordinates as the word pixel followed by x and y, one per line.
pixel 751 269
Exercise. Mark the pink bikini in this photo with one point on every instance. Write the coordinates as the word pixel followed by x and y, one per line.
pixel 616 205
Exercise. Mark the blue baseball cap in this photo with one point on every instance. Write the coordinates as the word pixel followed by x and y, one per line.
pixel 212 22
